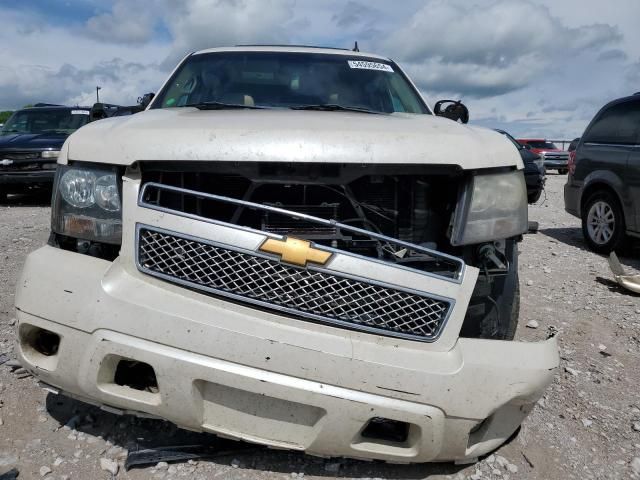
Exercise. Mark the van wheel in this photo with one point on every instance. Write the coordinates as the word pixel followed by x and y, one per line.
pixel 602 222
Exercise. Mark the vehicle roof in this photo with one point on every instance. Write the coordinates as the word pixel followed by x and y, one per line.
pixel 292 49
pixel 628 98
pixel 52 107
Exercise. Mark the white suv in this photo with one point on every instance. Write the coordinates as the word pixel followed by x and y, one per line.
pixel 288 247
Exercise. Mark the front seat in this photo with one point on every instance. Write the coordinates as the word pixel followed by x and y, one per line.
pixel 234 98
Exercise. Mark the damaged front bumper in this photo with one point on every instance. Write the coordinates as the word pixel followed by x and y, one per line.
pixel 250 371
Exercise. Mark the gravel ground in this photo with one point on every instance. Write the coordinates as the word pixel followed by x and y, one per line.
pixel 586 426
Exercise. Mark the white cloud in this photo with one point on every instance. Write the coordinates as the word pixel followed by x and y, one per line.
pixel 129 22
pixel 199 24
pixel 41 62
pixel 489 47
pixel 534 66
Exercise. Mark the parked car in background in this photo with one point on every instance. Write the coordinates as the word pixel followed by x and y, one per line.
pixel 30 142
pixel 534 170
pixel 554 158
pixel 31 139
pixel 603 186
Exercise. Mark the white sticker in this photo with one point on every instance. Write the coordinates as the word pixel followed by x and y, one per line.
pixel 79 112
pixel 370 65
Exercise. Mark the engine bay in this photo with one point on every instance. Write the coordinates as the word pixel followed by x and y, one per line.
pixel 412 207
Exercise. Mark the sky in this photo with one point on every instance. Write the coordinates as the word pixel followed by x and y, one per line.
pixel 537 68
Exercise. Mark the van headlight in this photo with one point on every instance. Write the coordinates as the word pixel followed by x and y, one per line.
pixel 491 207
pixel 86 203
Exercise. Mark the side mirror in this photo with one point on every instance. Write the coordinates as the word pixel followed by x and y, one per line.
pixel 97 112
pixel 455 110
pixel 145 99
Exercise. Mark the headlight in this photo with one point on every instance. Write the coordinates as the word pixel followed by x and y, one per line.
pixel 492 207
pixel 53 154
pixel 77 188
pixel 86 203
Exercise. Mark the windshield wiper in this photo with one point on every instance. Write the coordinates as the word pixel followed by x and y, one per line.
pixel 333 107
pixel 222 106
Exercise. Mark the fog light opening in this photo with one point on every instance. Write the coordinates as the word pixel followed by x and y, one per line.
pixel 46 343
pixel 136 375
pixel 386 430
pixel 39 347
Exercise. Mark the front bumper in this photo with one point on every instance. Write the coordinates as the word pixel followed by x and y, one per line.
pixel 549 163
pixel 305 387
pixel 36 177
pixel 245 372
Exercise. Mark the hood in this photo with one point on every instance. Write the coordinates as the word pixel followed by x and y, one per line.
pixel 548 150
pixel 28 141
pixel 281 135
pixel 528 155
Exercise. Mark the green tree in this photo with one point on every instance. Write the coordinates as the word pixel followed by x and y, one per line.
pixel 4 116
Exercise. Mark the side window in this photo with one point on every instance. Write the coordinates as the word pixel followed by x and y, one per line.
pixel 619 124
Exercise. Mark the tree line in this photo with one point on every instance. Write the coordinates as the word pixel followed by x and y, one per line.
pixel 4 116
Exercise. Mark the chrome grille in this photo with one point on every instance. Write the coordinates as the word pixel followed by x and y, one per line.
pixel 556 156
pixel 12 155
pixel 309 293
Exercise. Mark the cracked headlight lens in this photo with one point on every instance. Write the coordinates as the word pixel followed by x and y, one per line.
pixel 492 207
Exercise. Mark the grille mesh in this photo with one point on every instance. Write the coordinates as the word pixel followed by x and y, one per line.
pixel 303 292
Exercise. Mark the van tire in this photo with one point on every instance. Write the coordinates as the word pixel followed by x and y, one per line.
pixel 599 207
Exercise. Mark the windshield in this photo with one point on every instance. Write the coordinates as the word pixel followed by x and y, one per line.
pixel 290 80
pixel 542 145
pixel 38 120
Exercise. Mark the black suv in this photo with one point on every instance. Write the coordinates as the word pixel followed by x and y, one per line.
pixel 30 141
pixel 603 186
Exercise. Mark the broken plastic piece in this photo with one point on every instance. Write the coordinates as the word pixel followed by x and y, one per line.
pixel 10 475
pixel 180 453
pixel 630 282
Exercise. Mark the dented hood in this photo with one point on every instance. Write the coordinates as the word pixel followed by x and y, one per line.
pixel 279 135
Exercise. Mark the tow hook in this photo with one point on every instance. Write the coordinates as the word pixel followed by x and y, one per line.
pixel 489 258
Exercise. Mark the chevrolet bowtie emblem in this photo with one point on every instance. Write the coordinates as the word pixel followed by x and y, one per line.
pixel 5 162
pixel 295 251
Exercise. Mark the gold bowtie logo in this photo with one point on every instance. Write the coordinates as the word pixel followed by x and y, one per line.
pixel 295 251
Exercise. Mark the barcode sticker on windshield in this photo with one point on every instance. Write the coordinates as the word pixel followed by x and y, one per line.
pixel 370 65
pixel 79 112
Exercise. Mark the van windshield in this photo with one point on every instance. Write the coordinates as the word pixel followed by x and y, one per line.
pixel 290 80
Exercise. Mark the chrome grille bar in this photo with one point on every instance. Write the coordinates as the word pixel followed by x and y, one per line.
pixel 151 189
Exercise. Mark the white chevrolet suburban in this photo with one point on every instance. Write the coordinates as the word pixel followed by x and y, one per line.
pixel 288 247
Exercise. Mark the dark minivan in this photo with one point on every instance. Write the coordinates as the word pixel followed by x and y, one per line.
pixel 603 186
